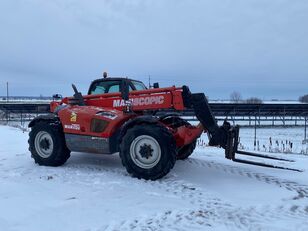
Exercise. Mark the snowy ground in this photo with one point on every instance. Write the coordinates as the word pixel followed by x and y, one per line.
pixel 94 192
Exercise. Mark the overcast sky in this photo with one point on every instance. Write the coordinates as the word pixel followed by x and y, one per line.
pixel 256 47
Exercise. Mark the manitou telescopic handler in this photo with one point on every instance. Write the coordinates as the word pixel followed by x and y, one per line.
pixel 122 115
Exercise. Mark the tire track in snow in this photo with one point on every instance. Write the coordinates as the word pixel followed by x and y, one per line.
pixel 290 210
pixel 205 203
pixel 207 210
pixel 215 212
pixel 94 173
pixel 212 211
pixel 223 218
pixel 199 199
pixel 174 220
pixel 299 189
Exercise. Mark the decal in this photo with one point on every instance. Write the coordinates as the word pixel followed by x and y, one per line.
pixel 73 117
pixel 140 101
pixel 72 126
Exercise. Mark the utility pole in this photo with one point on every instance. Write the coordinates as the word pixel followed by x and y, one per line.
pixel 255 137
pixel 149 81
pixel 305 138
pixel 7 91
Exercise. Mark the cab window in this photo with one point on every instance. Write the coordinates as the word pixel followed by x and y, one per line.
pixel 103 87
pixel 98 90
pixel 139 86
pixel 114 88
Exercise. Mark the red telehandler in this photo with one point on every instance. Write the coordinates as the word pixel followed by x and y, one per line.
pixel 122 115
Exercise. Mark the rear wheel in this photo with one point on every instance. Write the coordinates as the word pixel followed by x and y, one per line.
pixel 148 151
pixel 47 144
pixel 186 151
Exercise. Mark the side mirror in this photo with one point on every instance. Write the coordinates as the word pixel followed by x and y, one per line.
pixel 156 85
pixel 125 90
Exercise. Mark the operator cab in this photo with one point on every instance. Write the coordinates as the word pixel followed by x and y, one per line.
pixel 113 85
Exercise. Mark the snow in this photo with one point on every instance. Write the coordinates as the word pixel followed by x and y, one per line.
pixel 205 192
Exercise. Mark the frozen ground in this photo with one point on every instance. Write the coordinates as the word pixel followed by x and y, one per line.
pixel 93 192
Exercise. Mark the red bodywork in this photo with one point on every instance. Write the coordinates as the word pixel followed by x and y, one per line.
pixel 78 120
pixel 162 98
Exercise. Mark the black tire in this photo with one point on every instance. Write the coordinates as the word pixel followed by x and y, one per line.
pixel 47 144
pixel 152 140
pixel 175 122
pixel 186 151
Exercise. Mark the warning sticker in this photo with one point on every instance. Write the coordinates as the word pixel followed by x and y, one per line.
pixel 73 117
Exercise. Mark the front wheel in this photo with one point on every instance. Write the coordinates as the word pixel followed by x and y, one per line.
pixel 47 144
pixel 148 151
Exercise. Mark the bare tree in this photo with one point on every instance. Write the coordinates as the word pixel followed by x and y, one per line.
pixel 254 100
pixel 303 99
pixel 235 97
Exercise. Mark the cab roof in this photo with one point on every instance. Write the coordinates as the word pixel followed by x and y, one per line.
pixel 115 79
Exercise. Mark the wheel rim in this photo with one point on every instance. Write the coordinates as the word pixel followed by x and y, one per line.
pixel 43 144
pixel 145 151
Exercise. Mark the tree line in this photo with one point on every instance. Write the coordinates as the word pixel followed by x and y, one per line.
pixel 303 99
pixel 236 97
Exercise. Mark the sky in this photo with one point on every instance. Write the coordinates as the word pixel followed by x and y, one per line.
pixel 256 47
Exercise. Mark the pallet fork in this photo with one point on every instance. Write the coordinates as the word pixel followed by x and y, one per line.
pixel 232 149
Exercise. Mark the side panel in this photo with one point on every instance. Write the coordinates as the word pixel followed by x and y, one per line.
pixel 80 143
pixel 151 99
pixel 142 102
pixel 84 120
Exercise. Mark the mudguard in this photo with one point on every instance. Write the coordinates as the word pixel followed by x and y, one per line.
pixel 48 118
pixel 138 120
